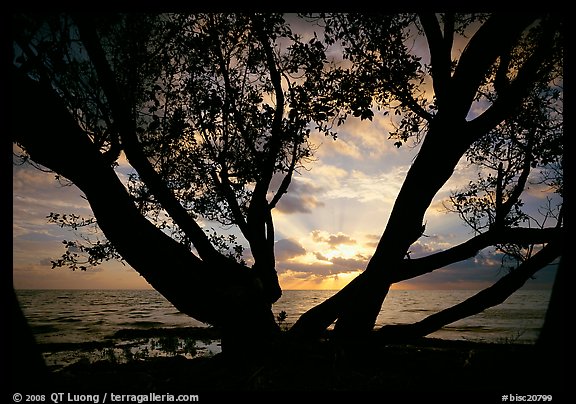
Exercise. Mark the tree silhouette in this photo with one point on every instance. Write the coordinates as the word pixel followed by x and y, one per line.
pixel 508 65
pixel 213 113
pixel 200 116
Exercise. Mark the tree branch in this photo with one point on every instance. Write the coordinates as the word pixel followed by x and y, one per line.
pixel 500 213
pixel 515 91
pixel 223 183
pixel 125 124
pixel 412 268
pixel 259 208
pixel 286 180
pixel 506 206
pixel 491 40
pixel 481 301
pixel 440 55
pixel 274 143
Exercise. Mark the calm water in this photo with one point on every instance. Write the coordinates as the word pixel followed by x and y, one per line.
pixel 74 316
pixel 518 319
pixel 81 315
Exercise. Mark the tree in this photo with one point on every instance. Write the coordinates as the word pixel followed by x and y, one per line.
pixel 212 110
pixel 206 111
pixel 508 65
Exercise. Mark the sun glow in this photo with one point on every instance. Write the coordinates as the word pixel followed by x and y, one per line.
pixel 338 281
pixel 291 280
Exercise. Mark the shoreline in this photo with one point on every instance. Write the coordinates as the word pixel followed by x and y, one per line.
pixel 191 342
pixel 424 365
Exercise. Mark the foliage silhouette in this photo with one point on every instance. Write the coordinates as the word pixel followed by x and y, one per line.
pixel 214 111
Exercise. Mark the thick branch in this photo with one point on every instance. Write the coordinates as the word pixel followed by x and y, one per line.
pixel 54 140
pixel 223 184
pixel 510 97
pixel 491 40
pixel 202 291
pixel 404 226
pixel 274 144
pixel 412 268
pixel 134 153
pixel 483 300
pixel 440 55
pixel 259 209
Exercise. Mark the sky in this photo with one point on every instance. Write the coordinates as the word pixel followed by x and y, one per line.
pixel 327 225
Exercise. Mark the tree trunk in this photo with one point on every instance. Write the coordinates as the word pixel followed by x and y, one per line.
pixel 551 337
pixel 222 295
pixel 357 305
pixel 405 225
pixel 551 344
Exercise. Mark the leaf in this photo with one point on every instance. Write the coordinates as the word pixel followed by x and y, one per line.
pixel 367 114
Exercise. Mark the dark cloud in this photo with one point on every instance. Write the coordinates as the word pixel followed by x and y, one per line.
pixel 421 249
pixel 35 234
pixel 300 197
pixel 349 264
pixel 285 249
pixel 374 240
pixel 477 273
pixel 291 203
pixel 321 257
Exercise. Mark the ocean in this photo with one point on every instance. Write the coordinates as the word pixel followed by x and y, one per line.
pixel 76 317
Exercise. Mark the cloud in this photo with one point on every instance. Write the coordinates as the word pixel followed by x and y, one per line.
pixel 341 147
pixel 345 265
pixel 291 203
pixel 326 266
pixel 286 249
pixel 382 187
pixel 35 192
pixel 35 195
pixel 300 198
pixel 360 140
pixel 294 280
pixel 475 273
pixel 332 239
pixel 321 257
pixel 430 244
pixel 373 240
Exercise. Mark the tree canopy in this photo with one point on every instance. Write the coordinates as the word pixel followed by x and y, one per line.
pixel 214 113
